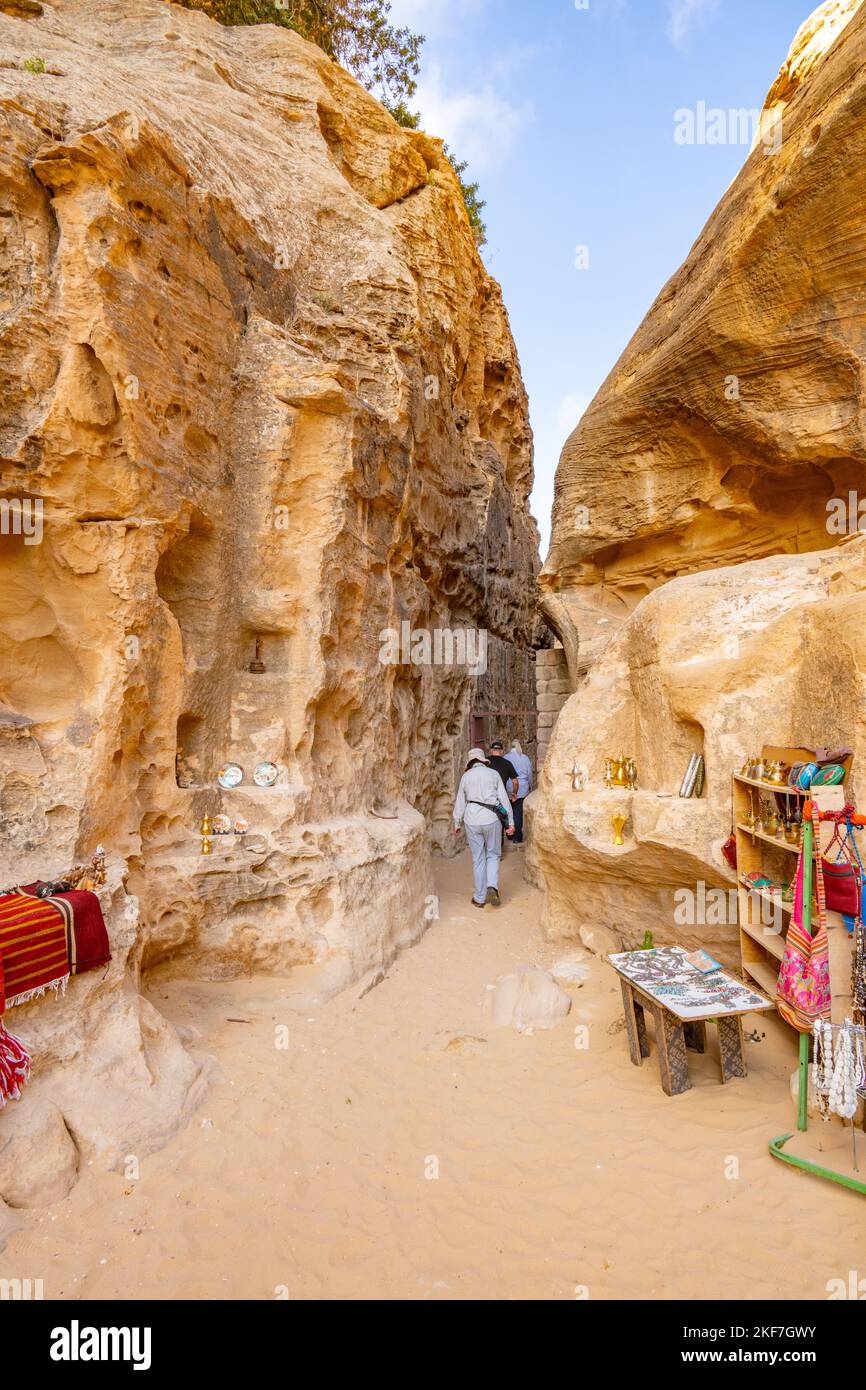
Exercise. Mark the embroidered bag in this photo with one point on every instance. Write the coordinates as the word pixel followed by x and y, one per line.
pixel 803 991
pixel 841 874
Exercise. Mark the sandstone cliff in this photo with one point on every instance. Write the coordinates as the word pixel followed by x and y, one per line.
pixel 258 380
pixel 703 604
pixel 738 409
pixel 720 663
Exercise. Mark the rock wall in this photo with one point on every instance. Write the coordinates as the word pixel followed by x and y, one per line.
pixel 703 599
pixel 738 409
pixel 721 663
pixel 553 686
pixel 256 383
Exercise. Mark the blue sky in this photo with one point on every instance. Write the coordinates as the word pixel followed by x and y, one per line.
pixel 565 110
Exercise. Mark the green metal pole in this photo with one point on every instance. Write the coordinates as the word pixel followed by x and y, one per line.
pixel 803 1093
pixel 777 1146
pixel 777 1149
pixel 803 1090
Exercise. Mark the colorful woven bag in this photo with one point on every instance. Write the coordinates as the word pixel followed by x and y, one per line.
pixel 803 991
pixel 830 776
pixel 842 873
pixel 14 1061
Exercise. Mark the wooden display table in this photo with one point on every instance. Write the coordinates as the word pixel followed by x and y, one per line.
pixel 682 1002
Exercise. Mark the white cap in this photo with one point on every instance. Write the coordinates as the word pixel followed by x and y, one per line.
pixel 477 755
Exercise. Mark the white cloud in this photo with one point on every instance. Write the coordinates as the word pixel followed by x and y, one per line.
pixel 610 9
pixel 683 15
pixel 552 426
pixel 571 409
pixel 512 60
pixel 480 124
pixel 432 16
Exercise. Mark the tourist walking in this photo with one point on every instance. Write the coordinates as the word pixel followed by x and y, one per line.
pixel 500 764
pixel 481 807
pixel 523 767
pixel 507 771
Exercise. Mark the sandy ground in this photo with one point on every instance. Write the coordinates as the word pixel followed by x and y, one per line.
pixel 310 1170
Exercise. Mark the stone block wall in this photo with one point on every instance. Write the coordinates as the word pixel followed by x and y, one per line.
pixel 552 688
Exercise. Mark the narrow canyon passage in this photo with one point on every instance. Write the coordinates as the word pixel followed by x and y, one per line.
pixel 306 1170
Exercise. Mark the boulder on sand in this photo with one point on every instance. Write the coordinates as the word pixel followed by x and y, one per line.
pixel 526 1000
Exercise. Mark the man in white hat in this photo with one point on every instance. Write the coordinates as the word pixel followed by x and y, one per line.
pixel 483 809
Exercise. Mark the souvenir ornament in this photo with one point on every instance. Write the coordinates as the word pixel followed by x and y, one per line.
pixel 838 1068
pixel 620 773
pixel 206 829
pixel 241 826
pixel 222 825
pixel 830 776
pixel 257 667
pixel 231 776
pixel 802 775
pixel 579 777
pixel 88 877
pixel 619 822
pixel 858 972
pixel 266 774
pixel 693 782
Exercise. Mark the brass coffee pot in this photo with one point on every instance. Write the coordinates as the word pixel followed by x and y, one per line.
pixel 620 773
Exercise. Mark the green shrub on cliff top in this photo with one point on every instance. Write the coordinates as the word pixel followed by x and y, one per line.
pixel 356 33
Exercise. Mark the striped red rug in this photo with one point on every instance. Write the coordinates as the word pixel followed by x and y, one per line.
pixel 42 942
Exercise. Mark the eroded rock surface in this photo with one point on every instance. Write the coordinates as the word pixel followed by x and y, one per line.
pixel 692 577
pixel 719 663
pixel 259 383
pixel 738 409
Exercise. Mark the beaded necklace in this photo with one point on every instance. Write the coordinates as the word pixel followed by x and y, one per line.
pixel 839 1069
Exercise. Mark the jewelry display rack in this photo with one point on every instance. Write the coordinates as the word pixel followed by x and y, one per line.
pixel 777 1146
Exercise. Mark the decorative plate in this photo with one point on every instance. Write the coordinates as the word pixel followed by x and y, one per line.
pixel 230 776
pixel 266 774
pixel 222 825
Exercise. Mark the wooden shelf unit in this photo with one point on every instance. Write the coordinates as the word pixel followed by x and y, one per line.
pixel 774 840
pixel 761 947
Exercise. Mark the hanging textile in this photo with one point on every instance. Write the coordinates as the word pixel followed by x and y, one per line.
pixel 803 991
pixel 45 940
pixel 14 1061
pixel 42 942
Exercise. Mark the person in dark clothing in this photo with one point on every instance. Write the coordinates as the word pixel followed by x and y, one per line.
pixel 523 767
pixel 505 769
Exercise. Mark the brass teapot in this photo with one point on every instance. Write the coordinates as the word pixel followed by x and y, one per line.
pixel 620 773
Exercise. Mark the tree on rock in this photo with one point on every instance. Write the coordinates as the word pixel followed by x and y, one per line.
pixel 356 33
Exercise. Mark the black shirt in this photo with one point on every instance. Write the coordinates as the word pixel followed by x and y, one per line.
pixel 504 768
